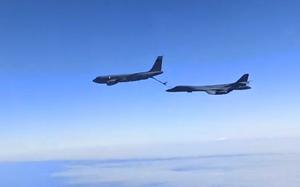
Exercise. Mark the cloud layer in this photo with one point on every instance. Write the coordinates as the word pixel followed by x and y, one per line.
pixel 241 170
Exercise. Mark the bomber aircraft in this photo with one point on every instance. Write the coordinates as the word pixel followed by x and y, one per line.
pixel 241 84
pixel 114 79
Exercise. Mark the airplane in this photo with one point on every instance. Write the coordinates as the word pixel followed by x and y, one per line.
pixel 221 89
pixel 110 80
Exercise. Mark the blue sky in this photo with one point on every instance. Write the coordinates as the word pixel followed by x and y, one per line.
pixel 50 51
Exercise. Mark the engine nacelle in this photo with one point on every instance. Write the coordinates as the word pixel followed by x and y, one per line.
pixel 217 92
pixel 211 92
pixel 222 92
pixel 111 82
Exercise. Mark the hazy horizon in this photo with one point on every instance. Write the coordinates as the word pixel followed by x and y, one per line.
pixel 59 128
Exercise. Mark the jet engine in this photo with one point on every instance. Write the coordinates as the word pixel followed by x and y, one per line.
pixel 111 82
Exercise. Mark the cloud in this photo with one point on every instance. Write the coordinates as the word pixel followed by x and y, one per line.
pixel 240 170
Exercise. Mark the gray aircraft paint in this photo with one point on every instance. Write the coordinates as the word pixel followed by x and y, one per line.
pixel 220 89
pixel 114 79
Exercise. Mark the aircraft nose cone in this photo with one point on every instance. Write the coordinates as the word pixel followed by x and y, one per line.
pixel 169 90
pixel 95 80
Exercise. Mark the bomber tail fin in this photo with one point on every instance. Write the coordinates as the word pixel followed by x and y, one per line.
pixel 244 79
pixel 157 65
